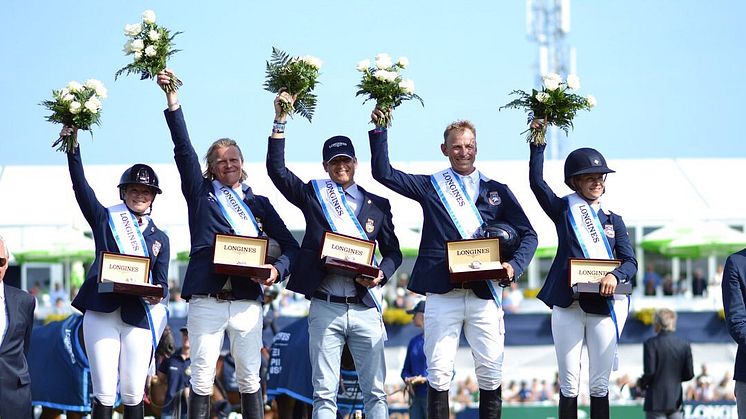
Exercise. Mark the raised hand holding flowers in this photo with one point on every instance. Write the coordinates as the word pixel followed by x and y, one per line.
pixel 552 105
pixel 383 83
pixel 76 106
pixel 150 46
pixel 298 77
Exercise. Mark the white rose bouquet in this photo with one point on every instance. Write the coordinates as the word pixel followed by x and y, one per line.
pixel 150 46
pixel 77 106
pixel 553 104
pixel 296 75
pixel 383 83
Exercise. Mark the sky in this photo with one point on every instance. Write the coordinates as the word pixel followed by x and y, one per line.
pixel 668 75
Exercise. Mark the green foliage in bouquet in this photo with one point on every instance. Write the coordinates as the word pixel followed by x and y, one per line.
pixel 383 83
pixel 76 106
pixel 553 104
pixel 296 75
pixel 150 46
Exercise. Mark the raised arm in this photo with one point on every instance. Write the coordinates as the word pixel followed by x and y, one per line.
pixel 89 205
pixel 411 186
pixel 186 158
pixel 548 200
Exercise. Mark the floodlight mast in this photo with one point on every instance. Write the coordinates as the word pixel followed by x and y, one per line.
pixel 548 24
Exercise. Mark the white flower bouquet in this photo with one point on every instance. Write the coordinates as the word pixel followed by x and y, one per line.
pixel 77 106
pixel 553 104
pixel 383 83
pixel 150 46
pixel 296 75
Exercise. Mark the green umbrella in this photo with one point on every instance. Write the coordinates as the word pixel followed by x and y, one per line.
pixel 708 239
pixel 54 246
pixel 657 240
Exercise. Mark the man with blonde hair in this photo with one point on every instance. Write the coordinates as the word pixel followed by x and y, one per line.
pixel 667 362
pixel 458 203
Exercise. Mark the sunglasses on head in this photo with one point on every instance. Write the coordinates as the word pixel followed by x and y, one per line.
pixel 3 261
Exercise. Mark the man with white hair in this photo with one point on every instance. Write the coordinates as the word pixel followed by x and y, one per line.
pixel 16 322
pixel 667 362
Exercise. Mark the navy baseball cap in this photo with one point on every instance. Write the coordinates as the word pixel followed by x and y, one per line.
pixel 338 146
pixel 419 308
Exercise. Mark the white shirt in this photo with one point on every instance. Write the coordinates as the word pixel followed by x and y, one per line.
pixel 340 285
pixel 3 313
pixel 471 184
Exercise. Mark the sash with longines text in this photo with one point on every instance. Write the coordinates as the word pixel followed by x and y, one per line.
pixel 235 210
pixel 592 239
pixel 130 241
pixel 463 212
pixel 342 220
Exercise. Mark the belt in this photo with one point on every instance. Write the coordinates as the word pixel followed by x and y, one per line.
pixel 220 296
pixel 336 299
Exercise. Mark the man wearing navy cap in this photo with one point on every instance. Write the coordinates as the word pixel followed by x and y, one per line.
pixel 343 309
pixel 456 204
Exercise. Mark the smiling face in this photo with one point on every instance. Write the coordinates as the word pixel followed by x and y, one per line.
pixel 138 198
pixel 228 166
pixel 461 149
pixel 341 170
pixel 590 186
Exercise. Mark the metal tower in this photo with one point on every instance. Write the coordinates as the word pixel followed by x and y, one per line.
pixel 547 24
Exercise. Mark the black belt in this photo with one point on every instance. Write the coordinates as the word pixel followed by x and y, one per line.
pixel 336 299
pixel 221 296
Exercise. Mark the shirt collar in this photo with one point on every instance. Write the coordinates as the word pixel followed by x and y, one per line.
pixel 474 176
pixel 2 290
pixel 354 192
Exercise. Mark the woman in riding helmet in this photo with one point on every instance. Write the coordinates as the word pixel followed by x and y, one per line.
pixel 120 330
pixel 585 229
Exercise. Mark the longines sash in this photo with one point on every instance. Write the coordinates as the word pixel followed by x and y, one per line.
pixel 342 220
pixel 235 210
pixel 130 241
pixel 592 239
pixel 463 212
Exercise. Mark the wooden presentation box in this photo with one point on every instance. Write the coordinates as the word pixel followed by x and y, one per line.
pixel 584 275
pixel 126 274
pixel 474 260
pixel 348 255
pixel 241 256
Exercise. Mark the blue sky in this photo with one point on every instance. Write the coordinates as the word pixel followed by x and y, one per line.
pixel 668 74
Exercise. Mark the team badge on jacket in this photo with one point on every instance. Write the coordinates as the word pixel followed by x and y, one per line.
pixel 156 248
pixel 609 230
pixel 369 225
pixel 494 198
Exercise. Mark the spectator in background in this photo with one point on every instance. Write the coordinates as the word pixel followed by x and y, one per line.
pixel 173 377
pixel 651 281
pixel 58 293
pixel 512 298
pixel 414 371
pixel 699 283
pixel 667 362
pixel 725 390
pixel 668 286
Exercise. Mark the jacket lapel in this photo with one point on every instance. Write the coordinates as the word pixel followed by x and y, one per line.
pixel 365 206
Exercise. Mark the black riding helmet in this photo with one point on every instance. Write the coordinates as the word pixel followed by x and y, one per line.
pixel 584 161
pixel 139 174
pixel 509 240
